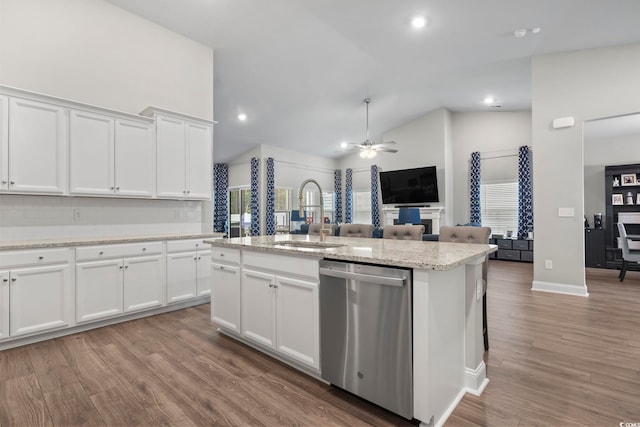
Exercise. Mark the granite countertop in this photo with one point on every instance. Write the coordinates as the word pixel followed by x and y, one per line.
pixel 89 241
pixel 401 253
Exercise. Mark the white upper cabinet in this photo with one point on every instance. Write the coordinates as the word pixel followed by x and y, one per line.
pixel 91 151
pixel 111 157
pixel 37 147
pixel 199 174
pixel 172 152
pixel 185 157
pixel 135 164
pixel 4 143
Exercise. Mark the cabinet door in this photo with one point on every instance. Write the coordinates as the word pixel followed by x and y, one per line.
pixel 144 283
pixel 199 161
pixel 4 304
pixel 135 159
pixel 4 143
pixel 181 276
pixel 297 320
pixel 257 304
pixel 225 296
pixel 38 147
pixel 171 157
pixel 40 299
pixel 203 273
pixel 98 289
pixel 91 149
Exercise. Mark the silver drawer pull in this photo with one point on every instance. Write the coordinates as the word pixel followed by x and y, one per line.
pixel 40 258
pixel 101 253
pixel 5 280
pixel 13 279
pixel 144 249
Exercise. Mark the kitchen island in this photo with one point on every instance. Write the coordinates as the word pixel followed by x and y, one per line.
pixel 265 293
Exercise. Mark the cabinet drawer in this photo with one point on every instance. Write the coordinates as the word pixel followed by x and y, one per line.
pixel 504 243
pixel 288 265
pixel 509 254
pixel 186 245
pixel 526 256
pixel 225 255
pixel 521 245
pixel 115 251
pixel 35 256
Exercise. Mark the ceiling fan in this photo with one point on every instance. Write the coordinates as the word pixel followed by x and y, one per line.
pixel 368 148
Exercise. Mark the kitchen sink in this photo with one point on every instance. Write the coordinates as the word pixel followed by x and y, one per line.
pixel 305 244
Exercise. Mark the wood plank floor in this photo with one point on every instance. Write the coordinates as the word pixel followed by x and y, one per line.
pixel 554 360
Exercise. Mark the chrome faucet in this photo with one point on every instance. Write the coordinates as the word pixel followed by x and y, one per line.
pixel 301 206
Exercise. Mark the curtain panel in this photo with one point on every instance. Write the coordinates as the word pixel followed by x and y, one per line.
pixel 270 214
pixel 220 197
pixel 474 189
pixel 525 193
pixel 255 197
pixel 337 195
pixel 348 196
pixel 375 201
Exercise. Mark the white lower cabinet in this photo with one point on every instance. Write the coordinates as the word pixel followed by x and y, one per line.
pixel 116 279
pixel 35 293
pixel 282 313
pixel 188 270
pixel 225 288
pixel 4 304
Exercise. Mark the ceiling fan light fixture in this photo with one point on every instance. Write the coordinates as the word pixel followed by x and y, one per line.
pixel 418 22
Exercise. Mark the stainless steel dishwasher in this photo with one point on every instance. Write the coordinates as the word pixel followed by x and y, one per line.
pixel 365 332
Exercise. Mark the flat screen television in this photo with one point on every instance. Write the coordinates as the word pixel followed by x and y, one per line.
pixel 418 186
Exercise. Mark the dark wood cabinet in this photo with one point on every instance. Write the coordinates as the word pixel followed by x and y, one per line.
pixel 513 250
pixel 622 202
pixel 594 248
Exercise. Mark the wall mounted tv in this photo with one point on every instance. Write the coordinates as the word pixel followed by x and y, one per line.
pixel 418 186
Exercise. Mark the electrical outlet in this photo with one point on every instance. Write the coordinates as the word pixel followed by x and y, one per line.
pixel 76 215
pixel 548 264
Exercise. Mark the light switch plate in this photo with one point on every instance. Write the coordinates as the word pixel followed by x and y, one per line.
pixel 566 212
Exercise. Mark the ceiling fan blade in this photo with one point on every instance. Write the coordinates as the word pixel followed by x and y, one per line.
pixel 384 149
pixel 387 143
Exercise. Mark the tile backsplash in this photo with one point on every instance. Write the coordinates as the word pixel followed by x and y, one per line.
pixel 53 217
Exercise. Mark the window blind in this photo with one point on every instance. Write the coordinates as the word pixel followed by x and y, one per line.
pixel 499 206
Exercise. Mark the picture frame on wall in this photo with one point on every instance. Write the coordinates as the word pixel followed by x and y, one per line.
pixel 628 179
pixel 616 199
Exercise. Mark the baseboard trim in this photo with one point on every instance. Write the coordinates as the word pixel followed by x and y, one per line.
pixel 476 380
pixel 559 288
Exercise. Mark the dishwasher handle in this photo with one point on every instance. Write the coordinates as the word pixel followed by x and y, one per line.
pixel 380 280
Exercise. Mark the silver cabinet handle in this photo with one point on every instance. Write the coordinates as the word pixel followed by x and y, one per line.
pixel 4 181
pixel 13 279
pixel 144 249
pixel 221 268
pixel 121 267
pixel 5 280
pixel 195 258
pixel 117 188
pixel 40 258
pixel 101 253
pixel 188 191
pixel 112 188
pixel 126 266
pixel 12 182
pixel 199 258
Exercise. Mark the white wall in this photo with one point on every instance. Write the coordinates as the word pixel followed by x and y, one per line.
pixel 93 52
pixel 493 134
pixel 587 85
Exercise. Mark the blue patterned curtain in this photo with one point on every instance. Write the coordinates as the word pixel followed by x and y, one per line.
pixel 337 195
pixel 474 189
pixel 348 196
pixel 525 193
pixel 255 197
pixel 271 198
pixel 220 190
pixel 375 202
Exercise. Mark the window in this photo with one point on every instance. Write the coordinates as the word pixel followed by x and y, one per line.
pixel 362 207
pixel 327 198
pixel 282 199
pixel 499 206
pixel 240 212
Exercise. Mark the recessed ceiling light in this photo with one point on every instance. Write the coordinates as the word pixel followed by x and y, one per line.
pixel 489 100
pixel 419 22
pixel 535 30
pixel 344 144
pixel 520 33
pixel 242 117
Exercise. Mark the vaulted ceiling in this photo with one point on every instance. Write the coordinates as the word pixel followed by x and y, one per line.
pixel 299 69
